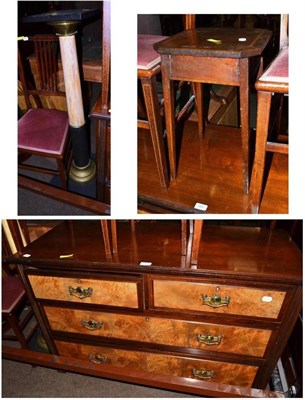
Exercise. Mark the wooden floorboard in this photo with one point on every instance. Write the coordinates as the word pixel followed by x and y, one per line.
pixel 209 172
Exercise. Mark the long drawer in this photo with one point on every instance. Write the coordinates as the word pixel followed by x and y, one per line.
pixel 217 372
pixel 172 332
pixel 213 298
pixel 118 293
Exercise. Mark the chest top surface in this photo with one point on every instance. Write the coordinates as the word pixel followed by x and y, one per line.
pixel 216 42
pixel 224 250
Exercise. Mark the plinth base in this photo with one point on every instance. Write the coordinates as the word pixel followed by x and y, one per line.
pixel 83 174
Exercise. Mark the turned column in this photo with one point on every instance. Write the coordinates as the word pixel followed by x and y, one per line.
pixel 64 23
pixel 83 168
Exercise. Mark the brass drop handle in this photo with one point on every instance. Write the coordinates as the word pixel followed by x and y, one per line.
pixel 203 374
pixel 215 301
pixel 80 292
pixel 208 339
pixel 91 325
pixel 97 359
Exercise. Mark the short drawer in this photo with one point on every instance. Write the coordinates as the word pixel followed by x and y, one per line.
pixel 165 331
pixel 117 293
pixel 213 298
pixel 212 371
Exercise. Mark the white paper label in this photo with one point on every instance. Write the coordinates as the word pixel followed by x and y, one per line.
pixel 145 263
pixel 267 299
pixel 201 207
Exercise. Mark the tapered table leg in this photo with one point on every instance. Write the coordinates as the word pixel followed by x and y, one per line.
pixel 263 112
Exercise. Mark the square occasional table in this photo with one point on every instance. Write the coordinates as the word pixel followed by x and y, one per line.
pixel 215 56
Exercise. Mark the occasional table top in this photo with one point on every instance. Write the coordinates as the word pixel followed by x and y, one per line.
pixel 216 42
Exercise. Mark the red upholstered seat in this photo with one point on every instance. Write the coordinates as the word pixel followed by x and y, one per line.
pixel 43 131
pixel 147 55
pixel 12 293
pixel 278 69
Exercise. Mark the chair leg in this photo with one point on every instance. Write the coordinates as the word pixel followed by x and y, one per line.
pixel 198 223
pixel 114 236
pixel 105 231
pixel 262 127
pixel 101 140
pixel 183 237
pixel 169 108
pixel 62 174
pixel 13 322
pixel 149 86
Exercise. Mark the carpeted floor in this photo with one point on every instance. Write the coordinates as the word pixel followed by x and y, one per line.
pixel 30 203
pixel 23 380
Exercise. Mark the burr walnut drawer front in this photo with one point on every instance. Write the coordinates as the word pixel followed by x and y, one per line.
pixel 213 298
pixel 211 337
pixel 110 292
pixel 212 371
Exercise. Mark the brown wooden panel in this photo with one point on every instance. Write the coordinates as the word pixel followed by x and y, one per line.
pixel 120 358
pixel 107 292
pixel 243 300
pixel 228 373
pixel 197 387
pixel 223 71
pixel 236 340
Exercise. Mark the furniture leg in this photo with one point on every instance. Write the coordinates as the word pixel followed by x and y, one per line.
pixel 62 174
pixel 183 237
pixel 244 118
pixel 149 86
pixel 114 236
pixel 105 230
pixel 169 109
pixel 198 223
pixel 263 113
pixel 101 135
pixel 198 91
pixel 13 322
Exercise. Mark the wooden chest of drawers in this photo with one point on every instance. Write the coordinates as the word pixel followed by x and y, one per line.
pixel 223 321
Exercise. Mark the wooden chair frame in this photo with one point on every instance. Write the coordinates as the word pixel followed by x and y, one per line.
pixel 46 85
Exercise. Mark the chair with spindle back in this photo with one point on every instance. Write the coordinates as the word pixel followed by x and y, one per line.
pixel 42 131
